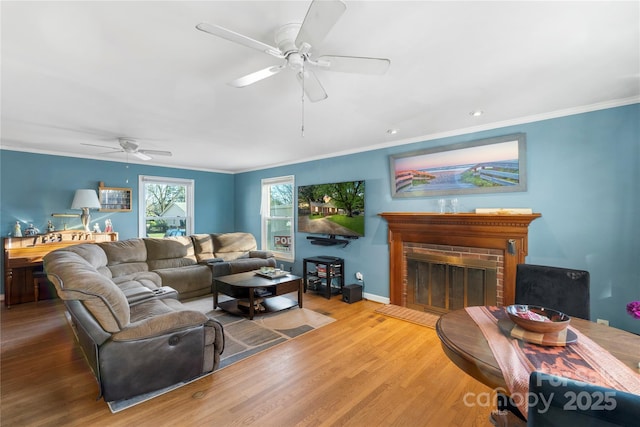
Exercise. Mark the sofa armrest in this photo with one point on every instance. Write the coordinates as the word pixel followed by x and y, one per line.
pixel 261 254
pixel 133 367
pixel 220 269
pixel 137 295
pixel 162 324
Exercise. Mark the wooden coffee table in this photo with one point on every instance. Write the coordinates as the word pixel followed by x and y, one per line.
pixel 249 287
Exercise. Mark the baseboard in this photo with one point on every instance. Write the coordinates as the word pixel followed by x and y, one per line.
pixel 376 298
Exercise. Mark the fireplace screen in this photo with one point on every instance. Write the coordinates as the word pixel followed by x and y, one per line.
pixel 440 283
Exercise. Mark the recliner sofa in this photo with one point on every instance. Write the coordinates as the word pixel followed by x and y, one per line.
pixel 123 301
pixel 231 253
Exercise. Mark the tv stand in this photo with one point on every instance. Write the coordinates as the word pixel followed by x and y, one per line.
pixel 327 276
pixel 327 241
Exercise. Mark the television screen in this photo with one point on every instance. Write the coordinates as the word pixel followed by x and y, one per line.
pixel 336 209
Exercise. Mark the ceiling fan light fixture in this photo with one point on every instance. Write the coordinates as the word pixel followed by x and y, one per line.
pixel 295 61
pixel 285 38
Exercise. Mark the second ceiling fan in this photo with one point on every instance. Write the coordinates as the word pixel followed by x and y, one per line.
pixel 297 44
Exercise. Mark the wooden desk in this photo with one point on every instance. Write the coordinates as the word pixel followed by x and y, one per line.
pixel 23 260
pixel 463 342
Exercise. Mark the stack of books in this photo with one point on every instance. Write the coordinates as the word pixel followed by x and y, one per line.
pixel 322 270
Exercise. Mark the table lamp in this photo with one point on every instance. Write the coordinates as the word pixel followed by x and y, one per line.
pixel 85 200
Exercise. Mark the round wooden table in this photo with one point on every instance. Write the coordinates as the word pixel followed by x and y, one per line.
pixel 463 342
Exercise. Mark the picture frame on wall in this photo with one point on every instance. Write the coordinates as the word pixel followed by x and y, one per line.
pixel 492 165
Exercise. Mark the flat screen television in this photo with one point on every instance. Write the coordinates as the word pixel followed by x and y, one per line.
pixel 334 209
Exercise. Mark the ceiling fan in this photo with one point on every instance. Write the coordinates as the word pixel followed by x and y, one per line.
pixel 130 146
pixel 297 44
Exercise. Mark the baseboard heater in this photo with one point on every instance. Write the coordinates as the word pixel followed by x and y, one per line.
pixel 327 241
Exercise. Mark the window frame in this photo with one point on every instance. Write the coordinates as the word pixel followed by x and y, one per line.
pixel 189 200
pixel 265 210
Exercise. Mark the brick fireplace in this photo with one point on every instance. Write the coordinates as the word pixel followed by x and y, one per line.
pixel 487 241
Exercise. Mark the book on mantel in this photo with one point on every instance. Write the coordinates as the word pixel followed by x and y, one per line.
pixel 505 211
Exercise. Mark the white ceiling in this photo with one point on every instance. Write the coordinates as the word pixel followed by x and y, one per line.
pixel 89 72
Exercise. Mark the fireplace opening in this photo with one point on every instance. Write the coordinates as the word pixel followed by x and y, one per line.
pixel 442 283
pixel 490 237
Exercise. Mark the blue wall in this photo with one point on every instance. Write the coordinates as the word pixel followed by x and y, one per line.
pixel 583 177
pixel 33 186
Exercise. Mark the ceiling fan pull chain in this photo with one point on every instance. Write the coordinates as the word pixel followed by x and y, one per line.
pixel 127 168
pixel 302 127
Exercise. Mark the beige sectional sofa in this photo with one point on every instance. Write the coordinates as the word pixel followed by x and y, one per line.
pixel 230 253
pixel 123 299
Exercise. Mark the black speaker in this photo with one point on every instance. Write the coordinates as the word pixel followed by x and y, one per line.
pixel 352 293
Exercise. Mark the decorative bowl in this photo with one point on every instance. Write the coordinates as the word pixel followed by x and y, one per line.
pixel 538 319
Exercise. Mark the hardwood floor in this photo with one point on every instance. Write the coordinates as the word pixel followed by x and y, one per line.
pixel 366 369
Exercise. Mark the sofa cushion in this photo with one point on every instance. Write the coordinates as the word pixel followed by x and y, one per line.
pixel 169 252
pixel 126 256
pixel 76 279
pixel 157 316
pixel 94 255
pixel 203 246
pixel 190 281
pixel 230 246
pixel 148 279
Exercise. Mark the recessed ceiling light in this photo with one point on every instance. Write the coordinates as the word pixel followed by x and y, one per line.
pixel 476 113
pixel 392 131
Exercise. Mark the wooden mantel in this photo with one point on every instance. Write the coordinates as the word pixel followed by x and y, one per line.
pixel 506 232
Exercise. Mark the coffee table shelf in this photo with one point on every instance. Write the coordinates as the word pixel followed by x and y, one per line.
pixel 251 287
pixel 271 304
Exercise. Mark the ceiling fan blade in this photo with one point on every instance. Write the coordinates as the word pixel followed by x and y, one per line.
pixel 312 87
pixel 320 18
pixel 354 64
pixel 101 146
pixel 257 76
pixel 232 36
pixel 141 155
pixel 156 152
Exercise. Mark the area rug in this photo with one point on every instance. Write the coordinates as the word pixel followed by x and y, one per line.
pixel 414 316
pixel 243 338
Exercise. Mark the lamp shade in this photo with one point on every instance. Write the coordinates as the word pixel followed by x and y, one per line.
pixel 85 199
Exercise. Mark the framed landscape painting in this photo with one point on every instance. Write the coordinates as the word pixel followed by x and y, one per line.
pixel 494 165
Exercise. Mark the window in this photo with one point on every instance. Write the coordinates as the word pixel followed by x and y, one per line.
pixel 276 211
pixel 165 206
